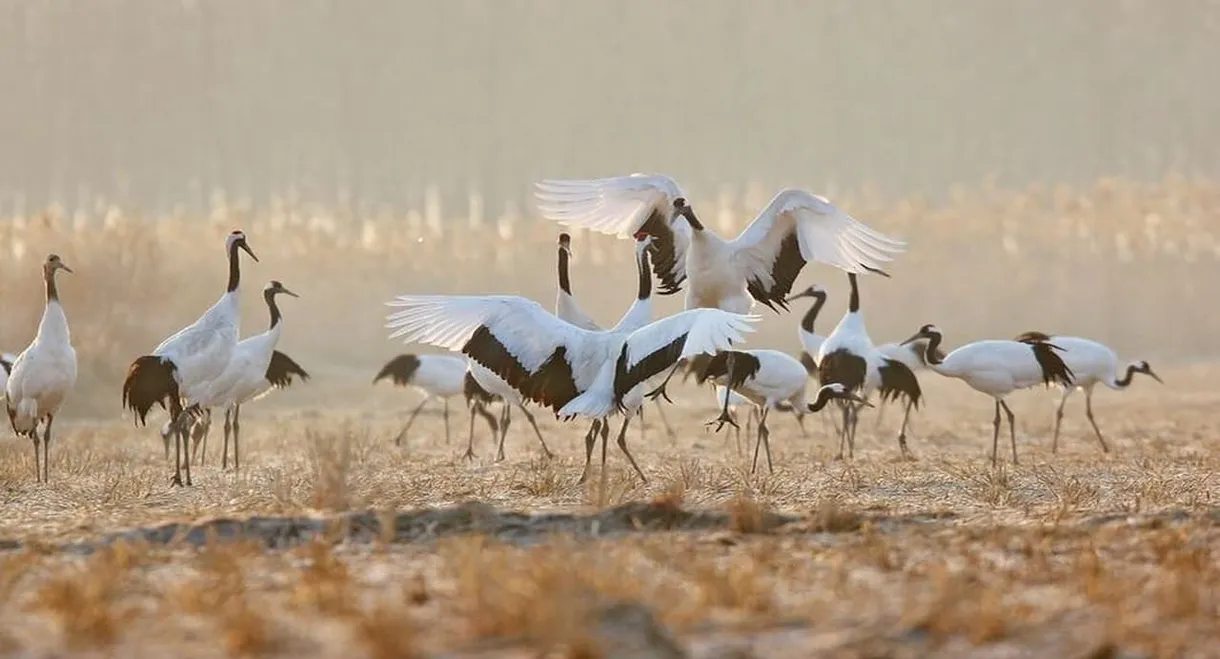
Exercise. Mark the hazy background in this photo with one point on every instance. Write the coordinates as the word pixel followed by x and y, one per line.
pixel 156 102
pixel 1052 164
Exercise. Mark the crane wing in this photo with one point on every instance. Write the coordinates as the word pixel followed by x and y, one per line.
pixel 656 347
pixel 623 206
pixel 797 227
pixel 511 336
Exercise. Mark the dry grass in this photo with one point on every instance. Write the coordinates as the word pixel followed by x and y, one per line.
pixel 1075 554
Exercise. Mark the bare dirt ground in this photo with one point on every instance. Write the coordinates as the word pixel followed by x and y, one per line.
pixel 332 541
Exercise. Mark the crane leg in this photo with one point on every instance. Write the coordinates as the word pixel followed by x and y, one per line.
pixel 660 391
pixel 590 441
pixel 224 455
pixel 1059 419
pixel 902 434
pixel 995 437
pixel 854 420
pixel 470 437
pixel 37 455
pixel 622 444
pixel 446 415
pixel 199 437
pixel 46 449
pixel 843 430
pixel 764 438
pixel 411 419
pixel 669 430
pixel 529 416
pixel 1088 411
pixel 236 437
pixel 1012 429
pixel 601 484
pixel 506 419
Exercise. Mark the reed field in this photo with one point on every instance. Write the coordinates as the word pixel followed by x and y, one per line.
pixel 332 541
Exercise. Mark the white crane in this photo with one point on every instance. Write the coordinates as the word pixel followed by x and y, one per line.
pixel 1091 363
pixel 248 374
pixel 848 357
pixel 638 315
pixel 997 368
pixel 761 263
pixel 437 377
pixel 768 379
pixel 44 373
pixel 183 366
pixel 554 363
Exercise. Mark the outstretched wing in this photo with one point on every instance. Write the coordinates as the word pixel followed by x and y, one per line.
pixel 798 227
pixel 655 348
pixel 623 206
pixel 513 337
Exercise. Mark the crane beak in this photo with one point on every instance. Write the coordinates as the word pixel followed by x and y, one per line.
pixel 285 291
pixel 247 249
pixel 914 337
pixel 63 266
pixel 797 296
pixel 857 399
pixel 1154 376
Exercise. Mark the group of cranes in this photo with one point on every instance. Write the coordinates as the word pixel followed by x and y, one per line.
pixel 203 366
pixel 565 362
pixel 515 352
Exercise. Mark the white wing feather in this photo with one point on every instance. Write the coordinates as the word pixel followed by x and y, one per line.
pixel 707 330
pixel 617 205
pixel 825 233
pixel 523 326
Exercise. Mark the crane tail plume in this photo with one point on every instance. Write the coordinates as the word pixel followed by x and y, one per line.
pixel 150 381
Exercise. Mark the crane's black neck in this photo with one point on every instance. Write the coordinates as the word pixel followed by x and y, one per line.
pixel 931 351
pixel 269 296
pixel 1126 379
pixel 565 284
pixel 819 298
pixel 853 304
pixel 691 219
pixel 234 268
pixel 824 396
pixel 52 288
pixel 645 289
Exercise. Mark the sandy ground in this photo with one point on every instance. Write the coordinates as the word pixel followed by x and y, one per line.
pixel 1078 553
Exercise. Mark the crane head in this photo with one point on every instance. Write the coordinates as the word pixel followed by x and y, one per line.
pixel 926 332
pixel 813 291
pixel 274 287
pixel 1143 367
pixel 237 239
pixel 565 242
pixel 54 263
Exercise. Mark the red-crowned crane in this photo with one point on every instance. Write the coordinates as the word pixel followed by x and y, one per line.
pixel 575 372
pixel 997 367
pixel 760 264
pixel 768 379
pixel 848 357
pixel 638 315
pixel 1091 363
pixel 184 365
